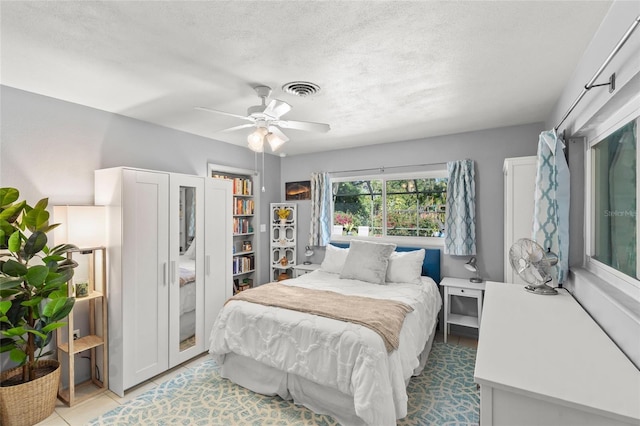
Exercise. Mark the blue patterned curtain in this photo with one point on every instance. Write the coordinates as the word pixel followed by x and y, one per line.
pixel 320 233
pixel 460 221
pixel 551 208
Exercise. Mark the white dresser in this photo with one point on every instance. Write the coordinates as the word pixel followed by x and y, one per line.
pixel 542 360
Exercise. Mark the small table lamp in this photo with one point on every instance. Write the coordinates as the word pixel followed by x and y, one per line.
pixel 307 253
pixel 472 265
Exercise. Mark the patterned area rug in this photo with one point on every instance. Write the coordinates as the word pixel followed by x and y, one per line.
pixel 444 394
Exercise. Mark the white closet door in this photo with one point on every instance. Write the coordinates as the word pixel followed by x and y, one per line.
pixel 144 275
pixel 186 268
pixel 218 248
pixel 519 190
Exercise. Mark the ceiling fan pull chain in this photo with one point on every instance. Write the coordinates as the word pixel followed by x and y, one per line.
pixel 264 173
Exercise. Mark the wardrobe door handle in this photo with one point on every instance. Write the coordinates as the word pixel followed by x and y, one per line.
pixel 207 264
pixel 164 274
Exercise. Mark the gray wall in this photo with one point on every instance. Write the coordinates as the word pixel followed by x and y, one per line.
pixel 488 148
pixel 50 148
pixel 602 300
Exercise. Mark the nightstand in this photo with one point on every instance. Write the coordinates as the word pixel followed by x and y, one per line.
pixel 302 269
pixel 465 288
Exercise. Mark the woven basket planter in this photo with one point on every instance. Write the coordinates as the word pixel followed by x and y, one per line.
pixel 31 402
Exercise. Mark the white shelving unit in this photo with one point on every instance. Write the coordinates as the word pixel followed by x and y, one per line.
pixel 91 269
pixel 283 240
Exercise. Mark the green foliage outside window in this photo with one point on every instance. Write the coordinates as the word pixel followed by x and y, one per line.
pixel 414 207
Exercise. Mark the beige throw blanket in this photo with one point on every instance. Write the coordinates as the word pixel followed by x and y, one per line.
pixel 385 317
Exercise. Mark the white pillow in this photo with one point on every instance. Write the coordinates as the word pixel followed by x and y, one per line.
pixel 405 266
pixel 334 258
pixel 191 251
pixel 367 261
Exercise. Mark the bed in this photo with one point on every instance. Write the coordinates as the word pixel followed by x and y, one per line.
pixel 333 367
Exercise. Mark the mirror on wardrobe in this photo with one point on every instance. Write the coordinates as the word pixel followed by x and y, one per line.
pixel 187 267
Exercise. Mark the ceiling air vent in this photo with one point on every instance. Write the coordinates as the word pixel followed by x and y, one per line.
pixel 301 88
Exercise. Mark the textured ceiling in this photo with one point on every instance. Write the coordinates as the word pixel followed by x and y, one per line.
pixel 388 70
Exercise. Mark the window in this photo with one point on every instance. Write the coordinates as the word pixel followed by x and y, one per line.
pixel 613 235
pixel 390 206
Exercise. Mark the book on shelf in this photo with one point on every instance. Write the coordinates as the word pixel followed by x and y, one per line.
pixel 243 206
pixel 242 264
pixel 242 186
pixel 241 226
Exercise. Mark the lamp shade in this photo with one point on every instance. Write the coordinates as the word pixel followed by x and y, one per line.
pixel 471 265
pixel 275 142
pixel 256 139
pixel 82 226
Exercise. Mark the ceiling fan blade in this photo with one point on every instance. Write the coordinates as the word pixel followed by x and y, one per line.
pixel 304 125
pixel 242 126
pixel 224 113
pixel 278 133
pixel 277 108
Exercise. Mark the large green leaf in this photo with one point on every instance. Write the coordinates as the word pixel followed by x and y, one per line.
pixel 35 243
pixel 36 333
pixel 6 344
pixel 36 275
pixel 52 326
pixel 59 278
pixel 62 249
pixel 58 308
pixel 18 356
pixel 4 306
pixel 11 213
pixel 32 302
pixel 8 283
pixel 14 269
pixel 42 204
pixel 53 258
pixel 67 264
pixel 8 195
pixel 36 218
pixel 15 331
pixel 59 291
pixel 14 242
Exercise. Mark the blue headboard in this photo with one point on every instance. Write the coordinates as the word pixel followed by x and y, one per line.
pixel 430 265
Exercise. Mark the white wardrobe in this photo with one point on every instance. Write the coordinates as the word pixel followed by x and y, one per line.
pixel 519 190
pixel 167 269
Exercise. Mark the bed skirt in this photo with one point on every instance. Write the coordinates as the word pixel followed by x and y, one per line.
pixel 266 380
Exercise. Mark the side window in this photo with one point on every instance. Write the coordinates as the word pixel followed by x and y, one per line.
pixel 614 194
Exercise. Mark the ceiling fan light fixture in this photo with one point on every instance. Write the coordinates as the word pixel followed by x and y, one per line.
pixel 274 141
pixel 256 146
pixel 256 139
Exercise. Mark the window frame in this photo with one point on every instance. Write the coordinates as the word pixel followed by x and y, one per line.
pixel 384 177
pixel 629 285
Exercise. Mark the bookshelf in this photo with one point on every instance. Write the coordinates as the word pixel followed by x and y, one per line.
pixel 245 224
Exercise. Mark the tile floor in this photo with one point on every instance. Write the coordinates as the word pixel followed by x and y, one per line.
pixel 82 413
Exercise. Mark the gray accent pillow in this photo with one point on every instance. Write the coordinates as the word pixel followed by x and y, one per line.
pixel 367 261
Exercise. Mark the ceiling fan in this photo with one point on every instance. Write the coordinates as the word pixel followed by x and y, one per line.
pixel 266 119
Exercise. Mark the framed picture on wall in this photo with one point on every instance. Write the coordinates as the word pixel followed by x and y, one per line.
pixel 298 190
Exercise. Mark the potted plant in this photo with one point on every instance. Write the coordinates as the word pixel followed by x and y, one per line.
pixel 283 214
pixel 33 302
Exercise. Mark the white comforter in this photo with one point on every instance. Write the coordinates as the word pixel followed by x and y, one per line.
pixel 341 355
